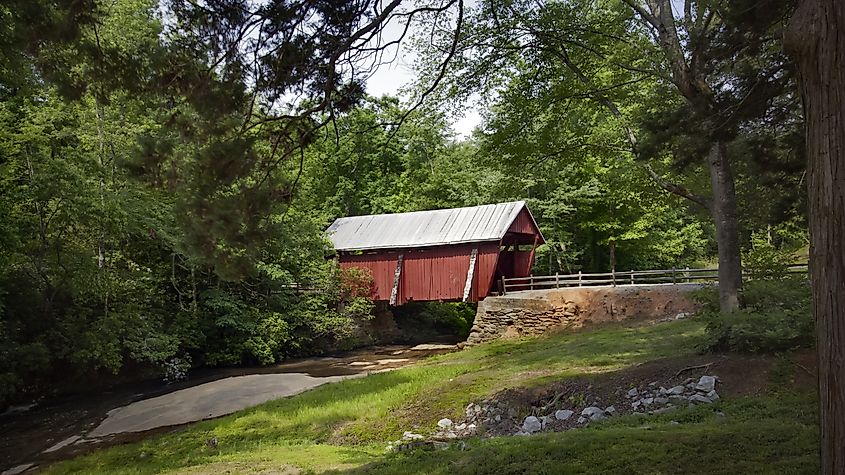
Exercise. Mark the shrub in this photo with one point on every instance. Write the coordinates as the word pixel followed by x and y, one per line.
pixel 777 316
pixel 765 261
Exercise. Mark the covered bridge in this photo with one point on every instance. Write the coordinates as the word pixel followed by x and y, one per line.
pixel 448 254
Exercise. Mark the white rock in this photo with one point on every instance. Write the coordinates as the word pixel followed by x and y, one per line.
pixel 706 384
pixel 563 414
pixel 713 395
pixel 633 392
pixel 582 420
pixel 661 400
pixel 610 410
pixel 407 435
pixel 460 427
pixel 498 418
pixel 444 423
pixel 647 401
pixel 531 424
pixel 677 390
pixel 593 412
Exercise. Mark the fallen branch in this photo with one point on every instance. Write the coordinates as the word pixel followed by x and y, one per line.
pixel 544 409
pixel 805 369
pixel 690 368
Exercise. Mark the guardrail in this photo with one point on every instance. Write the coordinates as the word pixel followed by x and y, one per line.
pixel 656 276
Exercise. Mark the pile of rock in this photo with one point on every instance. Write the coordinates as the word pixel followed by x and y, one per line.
pixel 658 400
pixel 495 418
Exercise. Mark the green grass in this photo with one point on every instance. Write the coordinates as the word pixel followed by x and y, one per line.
pixel 345 426
pixel 753 438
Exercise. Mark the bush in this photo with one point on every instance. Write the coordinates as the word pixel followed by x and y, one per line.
pixel 777 316
pixel 765 261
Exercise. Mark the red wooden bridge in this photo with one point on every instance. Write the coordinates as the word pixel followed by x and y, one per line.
pixel 441 255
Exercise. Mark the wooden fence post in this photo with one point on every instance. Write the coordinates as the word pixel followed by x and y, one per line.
pixel 579 278
pixel 632 276
pixel 686 273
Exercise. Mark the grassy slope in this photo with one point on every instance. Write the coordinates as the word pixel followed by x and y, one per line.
pixel 345 426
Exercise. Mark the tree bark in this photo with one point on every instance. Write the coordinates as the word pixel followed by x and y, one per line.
pixel 815 39
pixel 724 212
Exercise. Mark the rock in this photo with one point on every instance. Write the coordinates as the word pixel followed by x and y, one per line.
pixel 444 423
pixel 652 384
pixel 647 401
pixel 633 392
pixel 593 412
pixel 677 399
pixel 681 316
pixel 563 414
pixel 713 395
pixel 460 427
pixel 636 405
pixel 498 418
pixel 522 433
pixel 677 390
pixel 407 435
pixel 610 410
pixel 699 399
pixel 531 424
pixel 661 400
pixel 664 410
pixel 706 384
pixel 674 423
pixel 663 391
pixel 582 420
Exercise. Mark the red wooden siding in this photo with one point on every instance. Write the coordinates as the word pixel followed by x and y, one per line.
pixel 437 273
pixel 524 224
pixel 431 269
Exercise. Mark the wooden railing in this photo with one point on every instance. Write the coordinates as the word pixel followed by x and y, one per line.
pixel 658 276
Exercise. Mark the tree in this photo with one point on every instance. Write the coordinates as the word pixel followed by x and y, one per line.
pixel 716 67
pixel 814 38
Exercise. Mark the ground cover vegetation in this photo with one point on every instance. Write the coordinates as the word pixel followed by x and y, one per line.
pixel 767 427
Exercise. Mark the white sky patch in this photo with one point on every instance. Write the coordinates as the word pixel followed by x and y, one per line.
pixel 396 75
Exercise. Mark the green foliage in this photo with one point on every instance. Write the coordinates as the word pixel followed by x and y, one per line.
pixel 777 316
pixel 421 321
pixel 764 260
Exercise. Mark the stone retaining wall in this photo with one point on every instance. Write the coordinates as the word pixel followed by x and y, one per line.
pixel 534 312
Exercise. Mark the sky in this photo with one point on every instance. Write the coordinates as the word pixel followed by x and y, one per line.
pixel 390 78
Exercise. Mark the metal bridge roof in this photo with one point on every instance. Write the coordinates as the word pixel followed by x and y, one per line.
pixel 425 228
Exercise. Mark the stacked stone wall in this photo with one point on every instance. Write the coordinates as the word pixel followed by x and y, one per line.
pixel 535 312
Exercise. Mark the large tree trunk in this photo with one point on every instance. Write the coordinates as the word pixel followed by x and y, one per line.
pixel 816 39
pixel 723 210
